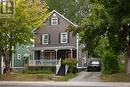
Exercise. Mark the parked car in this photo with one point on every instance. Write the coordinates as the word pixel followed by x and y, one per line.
pixel 94 65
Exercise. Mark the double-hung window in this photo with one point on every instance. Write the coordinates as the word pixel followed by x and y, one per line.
pixel 45 39
pixel 7 6
pixel 64 37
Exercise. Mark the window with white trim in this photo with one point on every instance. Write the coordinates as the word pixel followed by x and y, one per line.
pixel 19 56
pixel 54 21
pixel 45 39
pixel 64 37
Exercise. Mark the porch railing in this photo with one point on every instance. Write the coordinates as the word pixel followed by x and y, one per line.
pixel 58 66
pixel 43 62
pixel 66 69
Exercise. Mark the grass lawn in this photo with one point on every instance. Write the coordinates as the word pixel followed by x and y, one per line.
pixel 66 77
pixel 34 77
pixel 25 77
pixel 118 77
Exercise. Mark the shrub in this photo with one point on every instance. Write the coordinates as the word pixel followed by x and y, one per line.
pixel 71 62
pixel 110 63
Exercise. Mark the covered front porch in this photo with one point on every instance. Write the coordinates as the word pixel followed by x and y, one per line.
pixel 51 56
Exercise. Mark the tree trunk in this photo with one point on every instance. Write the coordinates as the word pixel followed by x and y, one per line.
pixel 8 60
pixel 127 60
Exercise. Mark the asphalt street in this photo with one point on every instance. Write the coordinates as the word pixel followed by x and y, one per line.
pixel 62 84
pixel 45 86
pixel 50 86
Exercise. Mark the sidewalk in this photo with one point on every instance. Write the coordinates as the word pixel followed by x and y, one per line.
pixel 100 84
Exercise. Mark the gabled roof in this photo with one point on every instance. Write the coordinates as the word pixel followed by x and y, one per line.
pixel 54 11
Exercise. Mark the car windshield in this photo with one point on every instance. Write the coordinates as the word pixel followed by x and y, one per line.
pixel 95 62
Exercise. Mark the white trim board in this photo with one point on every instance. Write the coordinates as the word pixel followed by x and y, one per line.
pixel 54 11
pixel 80 67
pixel 17 67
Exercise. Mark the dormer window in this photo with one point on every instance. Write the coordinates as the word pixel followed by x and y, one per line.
pixel 54 21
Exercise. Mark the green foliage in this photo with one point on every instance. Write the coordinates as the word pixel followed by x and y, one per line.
pixel 102 47
pixel 109 59
pixel 106 18
pixel 110 63
pixel 71 62
pixel 74 10
pixel 17 28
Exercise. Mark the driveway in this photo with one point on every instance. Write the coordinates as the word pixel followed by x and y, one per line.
pixel 87 77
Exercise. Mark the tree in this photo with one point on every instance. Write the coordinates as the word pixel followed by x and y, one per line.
pixel 74 10
pixel 110 61
pixel 108 18
pixel 17 28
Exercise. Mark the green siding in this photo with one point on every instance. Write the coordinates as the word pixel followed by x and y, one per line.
pixel 22 49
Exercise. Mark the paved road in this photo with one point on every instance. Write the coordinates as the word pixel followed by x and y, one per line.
pixel 62 84
pixel 87 77
pixel 46 86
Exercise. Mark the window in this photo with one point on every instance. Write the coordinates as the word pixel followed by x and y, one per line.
pixel 19 56
pixel 45 38
pixel 49 55
pixel 54 21
pixel 7 6
pixel 64 37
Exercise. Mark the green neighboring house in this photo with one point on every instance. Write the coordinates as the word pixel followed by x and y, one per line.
pixel 20 56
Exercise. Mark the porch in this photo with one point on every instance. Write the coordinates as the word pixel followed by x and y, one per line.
pixel 52 57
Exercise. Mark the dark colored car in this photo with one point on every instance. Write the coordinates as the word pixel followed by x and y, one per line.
pixel 94 66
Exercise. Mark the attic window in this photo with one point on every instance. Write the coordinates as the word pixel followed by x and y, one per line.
pixel 54 21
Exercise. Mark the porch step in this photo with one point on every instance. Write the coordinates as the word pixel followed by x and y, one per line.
pixel 61 71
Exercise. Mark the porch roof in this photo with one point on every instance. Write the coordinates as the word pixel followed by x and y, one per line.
pixel 53 48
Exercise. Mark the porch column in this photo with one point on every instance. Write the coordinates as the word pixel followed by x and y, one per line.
pixel 71 53
pixel 42 53
pixel 56 54
pixel 33 52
